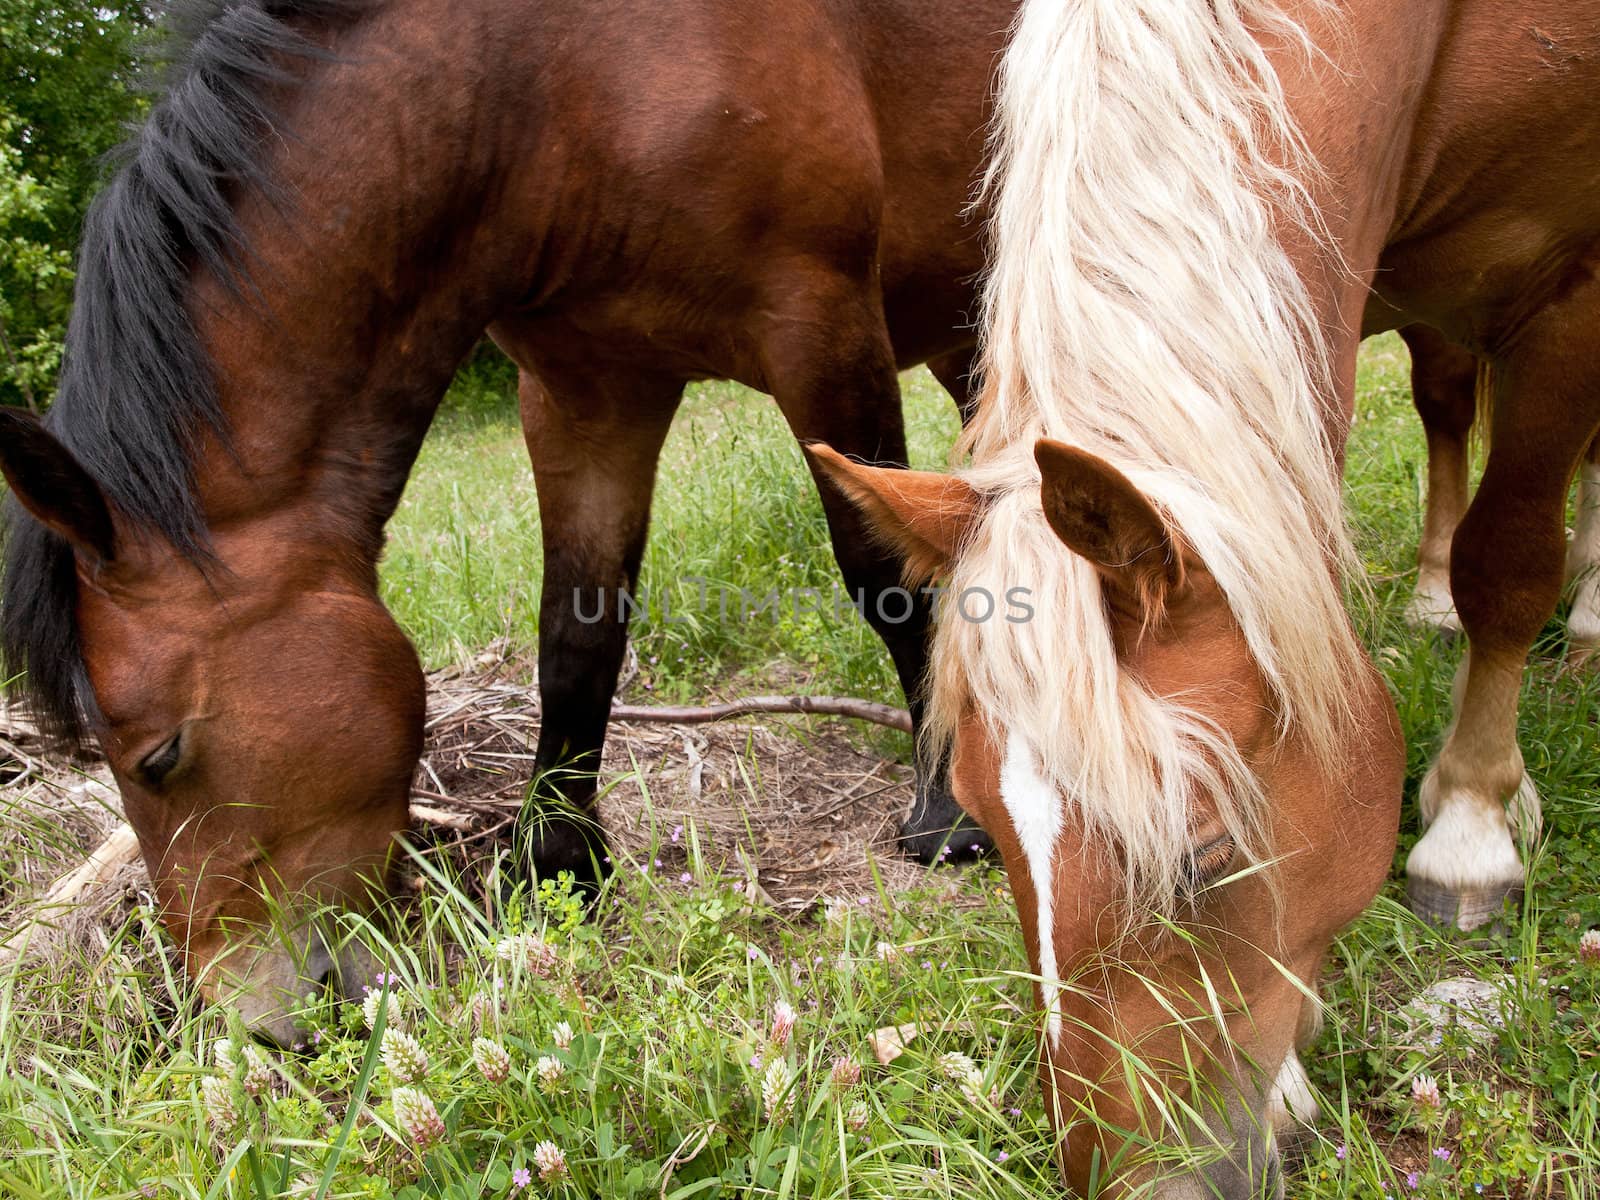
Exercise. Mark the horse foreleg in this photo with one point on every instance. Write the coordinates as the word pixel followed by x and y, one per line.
pixel 1506 576
pixel 957 373
pixel 593 438
pixel 1583 564
pixel 1443 379
pixel 827 354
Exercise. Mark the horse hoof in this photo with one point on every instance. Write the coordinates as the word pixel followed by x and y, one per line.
pixel 1465 909
pixel 547 843
pixel 965 842
pixel 1447 634
pixel 938 836
pixel 939 830
pixel 1434 612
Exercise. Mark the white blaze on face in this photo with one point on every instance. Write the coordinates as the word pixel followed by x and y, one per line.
pixel 1035 812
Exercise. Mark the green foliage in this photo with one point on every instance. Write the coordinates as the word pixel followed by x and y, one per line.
pixel 65 99
pixel 30 350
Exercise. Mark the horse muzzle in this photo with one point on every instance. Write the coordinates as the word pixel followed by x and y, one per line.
pixel 270 984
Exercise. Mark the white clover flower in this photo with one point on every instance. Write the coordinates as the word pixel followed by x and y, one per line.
pixel 216 1097
pixel 481 1008
pixel 962 1071
pixel 1589 948
pixel 530 952
pixel 956 1066
pixel 777 1093
pixel 561 1035
pixel 394 1011
pixel 492 1059
pixel 403 1056
pixel 551 1161
pixel 1425 1093
pixel 416 1115
pixel 846 1073
pixel 857 1117
pixel 258 1072
pixel 550 1069
pixel 222 1053
pixel 887 952
pixel 836 910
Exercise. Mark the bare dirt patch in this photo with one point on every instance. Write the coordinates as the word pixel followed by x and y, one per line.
pixel 795 802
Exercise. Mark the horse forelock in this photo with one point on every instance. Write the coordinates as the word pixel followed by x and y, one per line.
pixel 1141 306
pixel 136 393
pixel 38 629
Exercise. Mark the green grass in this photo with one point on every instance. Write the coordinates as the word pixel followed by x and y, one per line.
pixel 103 1057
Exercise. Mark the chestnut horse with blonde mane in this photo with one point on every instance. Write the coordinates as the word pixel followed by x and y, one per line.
pixel 331 204
pixel 1189 763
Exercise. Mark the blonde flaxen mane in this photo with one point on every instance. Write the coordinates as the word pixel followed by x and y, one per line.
pixel 1140 306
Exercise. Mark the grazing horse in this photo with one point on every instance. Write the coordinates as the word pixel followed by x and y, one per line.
pixel 333 202
pixel 1188 762
pixel 1444 387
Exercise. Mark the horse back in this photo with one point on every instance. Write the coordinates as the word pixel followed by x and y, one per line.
pixel 1463 151
pixel 687 160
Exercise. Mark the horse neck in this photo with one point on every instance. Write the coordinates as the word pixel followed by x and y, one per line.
pixel 395 250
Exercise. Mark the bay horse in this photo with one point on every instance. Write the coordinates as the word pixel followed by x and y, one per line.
pixel 1189 764
pixel 332 203
pixel 1444 388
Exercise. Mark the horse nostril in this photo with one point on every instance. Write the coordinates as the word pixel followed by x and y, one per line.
pixel 321 972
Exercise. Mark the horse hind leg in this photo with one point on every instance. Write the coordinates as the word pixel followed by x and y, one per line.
pixel 1583 564
pixel 1506 576
pixel 593 437
pixel 1443 383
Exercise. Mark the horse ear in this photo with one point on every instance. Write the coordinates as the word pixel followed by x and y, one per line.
pixel 52 485
pixel 923 515
pixel 1102 517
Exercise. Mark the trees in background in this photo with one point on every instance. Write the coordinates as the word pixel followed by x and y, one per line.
pixel 67 93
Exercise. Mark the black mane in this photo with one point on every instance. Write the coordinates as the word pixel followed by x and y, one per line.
pixel 136 390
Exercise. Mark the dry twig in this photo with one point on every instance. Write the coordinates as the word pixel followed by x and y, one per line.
pixel 828 706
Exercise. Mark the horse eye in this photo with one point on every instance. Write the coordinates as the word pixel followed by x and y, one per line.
pixel 158 764
pixel 1210 862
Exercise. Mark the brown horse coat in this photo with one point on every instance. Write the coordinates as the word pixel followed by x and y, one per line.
pixel 332 204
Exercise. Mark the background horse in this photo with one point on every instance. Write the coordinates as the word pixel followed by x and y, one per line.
pixel 1188 762
pixel 1444 386
pixel 332 203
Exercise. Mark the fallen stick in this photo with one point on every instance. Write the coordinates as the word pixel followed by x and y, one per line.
pixel 827 706
pixel 438 816
pixel 117 851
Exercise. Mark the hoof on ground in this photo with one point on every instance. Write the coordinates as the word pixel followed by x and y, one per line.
pixel 940 831
pixel 1581 654
pixel 548 843
pixel 966 842
pixel 1465 909
pixel 1447 634
pixel 1429 613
